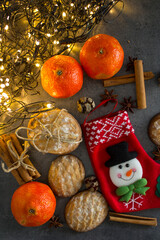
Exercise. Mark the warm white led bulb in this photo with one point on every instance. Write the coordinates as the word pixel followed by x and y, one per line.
pixel 35 10
pixel 5 95
pixel 55 42
pixel 2 85
pixel 49 105
pixel 2 67
pixel 6 27
pixel 37 65
pixel 63 14
pixel 37 42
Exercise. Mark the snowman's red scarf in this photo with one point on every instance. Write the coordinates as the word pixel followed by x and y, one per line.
pixel 127 191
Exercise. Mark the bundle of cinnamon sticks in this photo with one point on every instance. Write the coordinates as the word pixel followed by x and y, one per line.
pixel 21 174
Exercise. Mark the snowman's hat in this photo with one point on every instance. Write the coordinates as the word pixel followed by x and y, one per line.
pixel 119 154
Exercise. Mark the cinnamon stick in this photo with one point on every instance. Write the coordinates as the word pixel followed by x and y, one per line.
pixel 118 217
pixel 5 155
pixel 22 172
pixel 140 86
pixel 130 78
pixel 19 149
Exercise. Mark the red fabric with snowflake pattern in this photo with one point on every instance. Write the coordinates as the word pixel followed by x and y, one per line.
pixel 107 131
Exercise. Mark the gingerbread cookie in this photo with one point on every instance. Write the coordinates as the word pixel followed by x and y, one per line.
pixel 66 175
pixel 55 131
pixel 86 210
pixel 154 129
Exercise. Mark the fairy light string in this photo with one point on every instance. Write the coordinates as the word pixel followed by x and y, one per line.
pixel 22 112
pixel 31 31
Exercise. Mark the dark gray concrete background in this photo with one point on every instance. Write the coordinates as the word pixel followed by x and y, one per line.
pixel 138 31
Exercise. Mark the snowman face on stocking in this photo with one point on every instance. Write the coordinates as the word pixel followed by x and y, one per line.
pixel 125 171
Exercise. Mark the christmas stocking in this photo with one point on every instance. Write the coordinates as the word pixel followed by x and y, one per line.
pixel 128 177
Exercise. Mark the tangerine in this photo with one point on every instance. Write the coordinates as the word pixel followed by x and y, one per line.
pixel 61 76
pixel 101 56
pixel 33 204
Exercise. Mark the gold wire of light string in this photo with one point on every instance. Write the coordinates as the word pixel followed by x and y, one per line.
pixel 31 31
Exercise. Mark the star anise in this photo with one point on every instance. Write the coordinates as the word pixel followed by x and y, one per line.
pixel 157 153
pixel 127 105
pixel 108 95
pixel 55 221
pixel 130 64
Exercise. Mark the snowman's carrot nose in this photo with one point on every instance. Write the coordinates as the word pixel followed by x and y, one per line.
pixel 128 173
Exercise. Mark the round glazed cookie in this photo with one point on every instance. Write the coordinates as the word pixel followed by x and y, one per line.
pixel 66 175
pixel 54 131
pixel 154 129
pixel 86 210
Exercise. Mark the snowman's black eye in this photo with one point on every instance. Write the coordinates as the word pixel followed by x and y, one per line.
pixel 127 165
pixel 120 166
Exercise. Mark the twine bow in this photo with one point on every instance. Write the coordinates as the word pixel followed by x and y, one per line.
pixel 20 158
pixel 48 134
pixel 127 191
